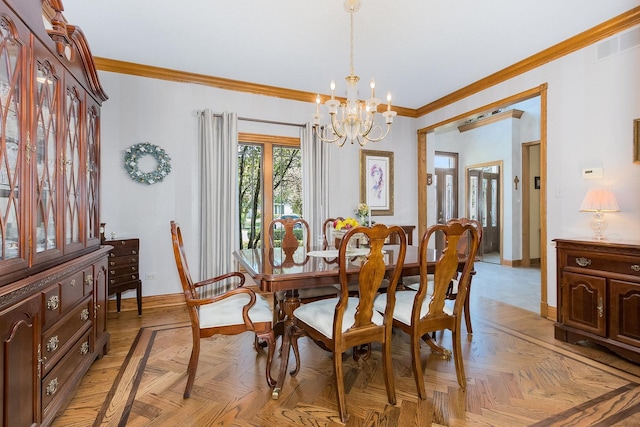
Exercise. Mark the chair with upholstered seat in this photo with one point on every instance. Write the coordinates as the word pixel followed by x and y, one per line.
pixel 347 322
pixel 418 313
pixel 413 282
pixel 231 312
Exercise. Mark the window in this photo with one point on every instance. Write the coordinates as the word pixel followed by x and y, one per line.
pixel 270 183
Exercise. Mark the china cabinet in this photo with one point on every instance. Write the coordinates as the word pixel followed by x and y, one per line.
pixel 599 294
pixel 53 269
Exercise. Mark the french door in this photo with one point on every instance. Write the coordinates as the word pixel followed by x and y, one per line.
pixel 269 184
pixel 483 204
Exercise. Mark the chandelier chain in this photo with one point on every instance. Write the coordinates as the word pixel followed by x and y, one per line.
pixel 351 65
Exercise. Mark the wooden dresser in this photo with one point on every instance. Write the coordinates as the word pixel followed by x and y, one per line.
pixel 53 268
pixel 124 272
pixel 599 294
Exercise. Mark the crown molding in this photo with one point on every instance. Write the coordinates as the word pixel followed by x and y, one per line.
pixel 123 67
pixel 580 41
pixel 483 121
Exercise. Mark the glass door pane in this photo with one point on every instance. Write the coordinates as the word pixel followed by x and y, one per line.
pixel 92 226
pixel 71 169
pixel 10 146
pixel 250 195
pixel 45 159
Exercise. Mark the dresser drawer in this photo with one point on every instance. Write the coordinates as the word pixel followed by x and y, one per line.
pixel 124 247
pixel 53 383
pixel 123 260
pixel 65 295
pixel 598 262
pixel 56 340
pixel 127 270
pixel 116 280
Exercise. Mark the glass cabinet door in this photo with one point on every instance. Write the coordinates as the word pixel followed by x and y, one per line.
pixel 71 171
pixel 92 159
pixel 12 52
pixel 46 153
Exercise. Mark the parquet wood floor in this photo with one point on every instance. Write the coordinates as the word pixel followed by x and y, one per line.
pixel 517 375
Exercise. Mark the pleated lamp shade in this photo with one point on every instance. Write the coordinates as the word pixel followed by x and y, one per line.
pixel 599 200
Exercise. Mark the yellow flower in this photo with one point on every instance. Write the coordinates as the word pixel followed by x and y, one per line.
pixel 347 224
pixel 362 210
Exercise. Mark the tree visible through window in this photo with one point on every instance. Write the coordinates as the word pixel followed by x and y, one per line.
pixel 270 183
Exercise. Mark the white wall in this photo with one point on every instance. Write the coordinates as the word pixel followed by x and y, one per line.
pixel 164 113
pixel 591 107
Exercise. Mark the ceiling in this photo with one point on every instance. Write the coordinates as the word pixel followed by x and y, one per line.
pixel 419 50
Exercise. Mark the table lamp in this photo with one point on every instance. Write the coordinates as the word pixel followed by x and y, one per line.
pixel 599 200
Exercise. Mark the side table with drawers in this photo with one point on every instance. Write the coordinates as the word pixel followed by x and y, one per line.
pixel 599 294
pixel 123 266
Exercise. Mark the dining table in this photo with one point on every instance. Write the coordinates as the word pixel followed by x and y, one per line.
pixel 283 269
pixel 291 269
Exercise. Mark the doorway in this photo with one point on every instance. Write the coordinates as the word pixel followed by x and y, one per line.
pixel 484 201
pixel 427 140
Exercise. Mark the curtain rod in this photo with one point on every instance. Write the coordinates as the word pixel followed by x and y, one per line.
pixel 271 122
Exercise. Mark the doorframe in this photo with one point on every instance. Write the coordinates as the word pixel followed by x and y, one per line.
pixel 500 165
pixel 526 202
pixel 541 91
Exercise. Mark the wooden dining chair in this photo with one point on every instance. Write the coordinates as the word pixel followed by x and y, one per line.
pixel 327 232
pixel 290 242
pixel 348 322
pixel 413 282
pixel 418 313
pixel 284 232
pixel 230 313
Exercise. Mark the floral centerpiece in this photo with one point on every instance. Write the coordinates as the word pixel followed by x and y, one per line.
pixel 340 228
pixel 363 212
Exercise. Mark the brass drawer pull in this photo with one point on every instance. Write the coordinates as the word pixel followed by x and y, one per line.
pixel 600 307
pixel 84 315
pixel 134 252
pixel 112 272
pixel 583 262
pixel 89 280
pixel 635 267
pixel 52 387
pixel 73 282
pixel 53 303
pixel 84 348
pixel 52 344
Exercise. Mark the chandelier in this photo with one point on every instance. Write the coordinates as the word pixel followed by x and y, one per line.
pixel 357 118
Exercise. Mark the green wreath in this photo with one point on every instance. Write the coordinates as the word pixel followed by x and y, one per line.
pixel 133 155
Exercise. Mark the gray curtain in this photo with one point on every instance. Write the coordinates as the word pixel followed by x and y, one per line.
pixel 218 137
pixel 315 181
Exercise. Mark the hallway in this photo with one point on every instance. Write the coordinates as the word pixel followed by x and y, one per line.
pixel 517 286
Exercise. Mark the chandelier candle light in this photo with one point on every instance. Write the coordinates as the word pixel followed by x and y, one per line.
pixel 357 119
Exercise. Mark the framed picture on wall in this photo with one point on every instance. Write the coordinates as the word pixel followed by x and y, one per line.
pixel 636 141
pixel 376 181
